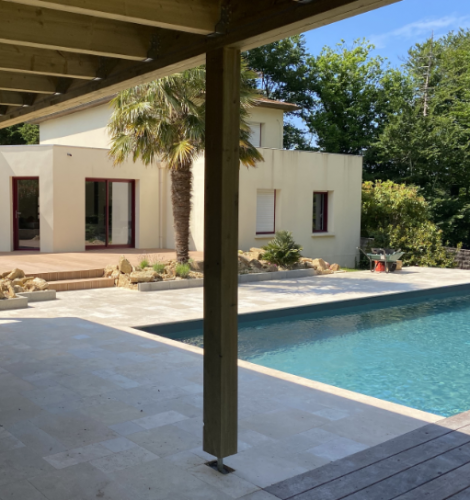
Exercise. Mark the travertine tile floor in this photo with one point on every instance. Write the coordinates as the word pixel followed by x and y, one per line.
pixel 92 410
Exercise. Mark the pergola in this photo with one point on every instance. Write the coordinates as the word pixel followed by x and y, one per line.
pixel 58 54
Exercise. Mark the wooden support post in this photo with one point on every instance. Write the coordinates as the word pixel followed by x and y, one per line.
pixel 220 251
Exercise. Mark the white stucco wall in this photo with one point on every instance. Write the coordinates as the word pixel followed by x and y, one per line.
pixel 88 127
pixel 62 171
pixel 84 128
pixel 295 175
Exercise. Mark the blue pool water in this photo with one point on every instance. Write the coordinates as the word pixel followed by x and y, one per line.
pixel 416 354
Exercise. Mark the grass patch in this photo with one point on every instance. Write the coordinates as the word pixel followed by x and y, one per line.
pixel 182 270
pixel 144 263
pixel 350 269
pixel 159 267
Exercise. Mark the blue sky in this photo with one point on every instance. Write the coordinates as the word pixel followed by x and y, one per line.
pixel 395 28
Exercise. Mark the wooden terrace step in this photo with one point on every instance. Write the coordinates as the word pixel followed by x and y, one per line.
pixel 65 285
pixel 69 275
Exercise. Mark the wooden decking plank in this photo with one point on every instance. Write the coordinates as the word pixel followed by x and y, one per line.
pixel 462 495
pixel 412 478
pixel 442 487
pixel 330 472
pixel 405 444
pixel 388 468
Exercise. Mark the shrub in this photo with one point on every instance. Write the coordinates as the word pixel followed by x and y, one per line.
pixel 144 263
pixel 282 250
pixel 182 270
pixel 397 216
pixel 159 267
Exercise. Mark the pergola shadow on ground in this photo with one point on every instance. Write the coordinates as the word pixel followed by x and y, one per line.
pixel 91 411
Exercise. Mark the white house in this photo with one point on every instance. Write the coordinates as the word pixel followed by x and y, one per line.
pixel 65 194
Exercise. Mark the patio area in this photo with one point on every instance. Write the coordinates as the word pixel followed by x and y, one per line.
pixel 39 262
pixel 92 408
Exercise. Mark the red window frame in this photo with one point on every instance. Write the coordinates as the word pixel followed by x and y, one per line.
pixel 274 219
pixel 16 242
pixel 324 214
pixel 108 181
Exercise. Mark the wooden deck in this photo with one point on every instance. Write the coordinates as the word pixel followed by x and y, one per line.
pixel 39 263
pixel 430 463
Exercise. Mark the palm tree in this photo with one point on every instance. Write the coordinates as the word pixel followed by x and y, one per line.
pixel 165 121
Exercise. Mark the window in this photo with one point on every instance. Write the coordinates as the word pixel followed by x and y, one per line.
pixel 266 211
pixel 320 212
pixel 109 213
pixel 255 134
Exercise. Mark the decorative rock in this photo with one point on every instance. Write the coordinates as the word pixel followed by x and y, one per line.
pixel 18 289
pixel 125 266
pixel 16 273
pixel 256 263
pixel 109 270
pixel 2 295
pixel 144 276
pixel 37 284
pixel 319 264
pixel 197 265
pixel 271 268
pixel 324 271
pixel 334 267
pixel 124 281
pixel 258 252
pixel 4 275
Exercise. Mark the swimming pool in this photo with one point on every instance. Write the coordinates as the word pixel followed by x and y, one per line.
pixel 415 353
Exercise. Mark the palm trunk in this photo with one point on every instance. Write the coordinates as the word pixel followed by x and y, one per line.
pixel 181 189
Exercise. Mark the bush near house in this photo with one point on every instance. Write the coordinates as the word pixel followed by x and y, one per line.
pixel 397 216
pixel 282 250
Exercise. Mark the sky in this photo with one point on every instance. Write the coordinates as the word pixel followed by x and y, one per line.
pixel 395 28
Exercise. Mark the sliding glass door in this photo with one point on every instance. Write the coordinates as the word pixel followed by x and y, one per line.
pixel 109 215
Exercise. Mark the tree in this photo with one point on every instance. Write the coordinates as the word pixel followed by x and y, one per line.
pixel 165 121
pixel 427 141
pixel 24 133
pixel 397 216
pixel 283 75
pixel 353 96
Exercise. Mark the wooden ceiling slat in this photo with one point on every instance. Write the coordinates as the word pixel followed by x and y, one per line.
pixel 32 60
pixel 193 16
pixel 11 98
pixel 27 83
pixel 50 29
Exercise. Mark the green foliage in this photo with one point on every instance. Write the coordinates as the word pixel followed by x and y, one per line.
pixel 159 267
pixel 144 263
pixel 353 94
pixel 182 270
pixel 24 133
pixel 282 250
pixel 396 216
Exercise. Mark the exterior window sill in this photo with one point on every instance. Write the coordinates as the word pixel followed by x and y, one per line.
pixel 323 235
pixel 265 236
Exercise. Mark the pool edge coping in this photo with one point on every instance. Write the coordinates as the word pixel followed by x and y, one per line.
pixel 382 404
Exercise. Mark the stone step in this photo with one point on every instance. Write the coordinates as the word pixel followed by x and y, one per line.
pixel 69 275
pixel 81 284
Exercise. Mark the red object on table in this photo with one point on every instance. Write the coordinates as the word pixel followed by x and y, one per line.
pixel 379 266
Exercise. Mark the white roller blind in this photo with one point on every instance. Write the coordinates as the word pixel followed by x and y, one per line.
pixel 255 134
pixel 265 211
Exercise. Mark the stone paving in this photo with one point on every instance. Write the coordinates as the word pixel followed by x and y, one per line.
pixel 91 408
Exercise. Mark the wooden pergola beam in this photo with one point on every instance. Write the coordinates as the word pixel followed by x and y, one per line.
pixel 182 51
pixel 32 60
pixel 222 166
pixel 50 29
pixel 193 16
pixel 12 99
pixel 22 82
